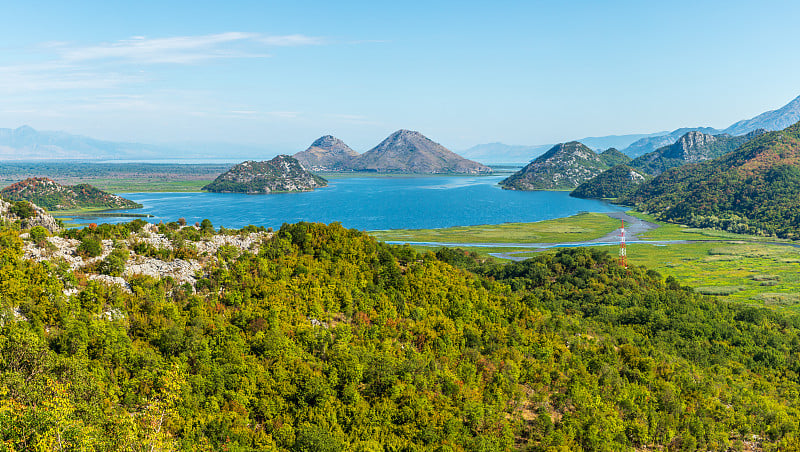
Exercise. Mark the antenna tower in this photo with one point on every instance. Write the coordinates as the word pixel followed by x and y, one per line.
pixel 623 255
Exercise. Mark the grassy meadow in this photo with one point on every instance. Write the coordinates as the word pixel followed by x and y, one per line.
pixel 584 226
pixel 749 269
pixel 137 185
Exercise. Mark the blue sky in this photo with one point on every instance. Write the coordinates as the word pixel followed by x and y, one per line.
pixel 280 74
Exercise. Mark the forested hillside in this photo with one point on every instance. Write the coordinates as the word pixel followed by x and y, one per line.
pixel 755 189
pixel 50 195
pixel 612 183
pixel 326 340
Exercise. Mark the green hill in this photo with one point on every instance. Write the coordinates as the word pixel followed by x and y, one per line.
pixel 612 157
pixel 755 189
pixel 281 174
pixel 51 195
pixel 563 167
pixel 613 183
pixel 326 340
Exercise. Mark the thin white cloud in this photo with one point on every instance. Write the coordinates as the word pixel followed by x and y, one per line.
pixel 291 40
pixel 65 66
pixel 185 49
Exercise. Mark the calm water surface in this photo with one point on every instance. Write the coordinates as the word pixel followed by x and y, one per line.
pixel 371 203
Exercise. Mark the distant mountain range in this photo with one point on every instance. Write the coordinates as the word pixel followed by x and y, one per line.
pixel 635 145
pixel 770 121
pixel 25 143
pixel 504 153
pixel 507 153
pixel 404 151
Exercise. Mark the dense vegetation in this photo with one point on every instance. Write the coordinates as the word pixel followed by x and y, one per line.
pixel 50 195
pixel 612 157
pixel 328 340
pixel 563 167
pixel 613 183
pixel 281 174
pixel 754 189
pixel 691 148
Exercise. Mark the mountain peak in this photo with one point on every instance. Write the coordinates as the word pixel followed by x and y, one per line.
pixel 328 142
pixel 408 134
pixel 327 153
pixel 24 129
pixel 695 139
pixel 564 166
pixel 408 151
pixel 772 120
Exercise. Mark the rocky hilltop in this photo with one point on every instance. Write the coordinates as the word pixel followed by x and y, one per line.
pixel 692 147
pixel 650 144
pixel 50 195
pixel 613 183
pixel 28 215
pixel 563 167
pixel 407 151
pixel 327 153
pixel 754 189
pixel 281 174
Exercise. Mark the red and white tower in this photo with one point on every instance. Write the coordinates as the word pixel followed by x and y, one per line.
pixel 623 255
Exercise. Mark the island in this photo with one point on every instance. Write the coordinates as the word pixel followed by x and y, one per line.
pixel 52 196
pixel 282 174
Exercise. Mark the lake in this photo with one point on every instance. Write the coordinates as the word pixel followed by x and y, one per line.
pixel 370 203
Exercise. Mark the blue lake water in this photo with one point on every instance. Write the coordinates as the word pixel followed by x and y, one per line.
pixel 371 203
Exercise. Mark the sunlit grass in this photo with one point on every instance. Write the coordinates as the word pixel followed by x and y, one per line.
pixel 584 226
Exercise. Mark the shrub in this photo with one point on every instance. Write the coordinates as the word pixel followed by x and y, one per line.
pixel 114 263
pixel 38 234
pixel 90 247
pixel 22 209
pixel 206 226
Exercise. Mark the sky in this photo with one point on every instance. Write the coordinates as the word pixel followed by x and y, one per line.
pixel 277 75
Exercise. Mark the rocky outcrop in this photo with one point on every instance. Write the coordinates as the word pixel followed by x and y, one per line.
pixel 327 153
pixel 37 217
pixel 181 270
pixel 282 174
pixel 692 147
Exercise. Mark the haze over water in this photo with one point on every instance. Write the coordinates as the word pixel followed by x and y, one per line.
pixel 371 203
